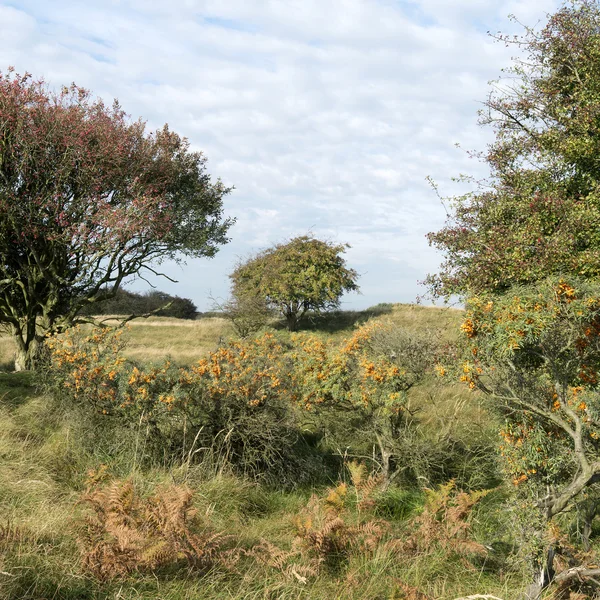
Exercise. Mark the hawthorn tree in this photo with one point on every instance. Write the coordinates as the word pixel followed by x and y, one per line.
pixel 294 277
pixel 89 198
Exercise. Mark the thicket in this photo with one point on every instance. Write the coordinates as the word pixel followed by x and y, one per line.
pixel 160 304
pixel 286 407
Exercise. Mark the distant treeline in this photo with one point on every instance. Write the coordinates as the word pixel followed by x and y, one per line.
pixel 128 303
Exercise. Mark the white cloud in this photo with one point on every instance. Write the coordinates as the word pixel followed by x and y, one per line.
pixel 327 115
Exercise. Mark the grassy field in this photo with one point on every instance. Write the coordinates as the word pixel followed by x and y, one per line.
pixel 48 458
pixel 185 341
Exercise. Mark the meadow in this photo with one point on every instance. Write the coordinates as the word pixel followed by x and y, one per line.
pixel 79 501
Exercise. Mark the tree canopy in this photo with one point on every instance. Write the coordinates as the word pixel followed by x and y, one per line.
pixel 89 198
pixel 296 276
pixel 539 211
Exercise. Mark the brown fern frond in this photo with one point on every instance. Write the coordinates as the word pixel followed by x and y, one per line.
pixel 302 573
pixel 445 522
pixel 271 555
pixel 366 491
pixel 125 532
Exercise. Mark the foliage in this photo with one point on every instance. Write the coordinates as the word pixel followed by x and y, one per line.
pixel 125 532
pixel 539 213
pixel 533 342
pixel 125 302
pixel 365 378
pixel 247 397
pixel 330 529
pixel 236 402
pixel 45 458
pixel 536 353
pixel 248 314
pixel 85 366
pixel 446 522
pixel 88 199
pixel 293 277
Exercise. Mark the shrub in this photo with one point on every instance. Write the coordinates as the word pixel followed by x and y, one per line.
pixel 247 313
pixel 360 387
pixel 234 404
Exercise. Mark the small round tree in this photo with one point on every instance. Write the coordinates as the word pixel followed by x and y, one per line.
pixel 88 198
pixel 294 277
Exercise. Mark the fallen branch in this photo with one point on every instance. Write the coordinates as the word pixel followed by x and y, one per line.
pixel 579 573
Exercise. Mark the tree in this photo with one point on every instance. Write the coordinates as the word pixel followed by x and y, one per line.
pixel 88 199
pixel 533 341
pixel 294 277
pixel 539 212
pixel 535 352
pixel 247 314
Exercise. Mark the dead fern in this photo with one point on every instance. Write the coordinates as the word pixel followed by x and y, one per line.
pixel 334 527
pixel 365 486
pixel 126 533
pixel 359 496
pixel 331 536
pixel 286 562
pixel 445 522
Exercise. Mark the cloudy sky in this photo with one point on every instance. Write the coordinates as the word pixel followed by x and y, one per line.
pixel 326 115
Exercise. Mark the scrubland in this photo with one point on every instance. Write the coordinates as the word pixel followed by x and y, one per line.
pixel 94 506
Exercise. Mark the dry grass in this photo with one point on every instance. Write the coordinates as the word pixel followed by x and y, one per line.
pixel 7 351
pixel 183 341
pixel 416 318
pixel 186 341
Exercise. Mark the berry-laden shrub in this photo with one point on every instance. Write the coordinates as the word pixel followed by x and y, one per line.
pixel 241 396
pixel 87 365
pixel 360 386
pixel 235 403
pixel 535 354
pixel 244 401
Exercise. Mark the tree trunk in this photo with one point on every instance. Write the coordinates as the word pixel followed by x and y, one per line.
pixel 291 320
pixel 28 354
pixel 544 574
pixel 386 455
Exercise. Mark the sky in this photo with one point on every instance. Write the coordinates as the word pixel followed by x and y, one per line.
pixel 327 116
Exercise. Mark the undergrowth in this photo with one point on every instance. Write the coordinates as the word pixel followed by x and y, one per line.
pixel 91 508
